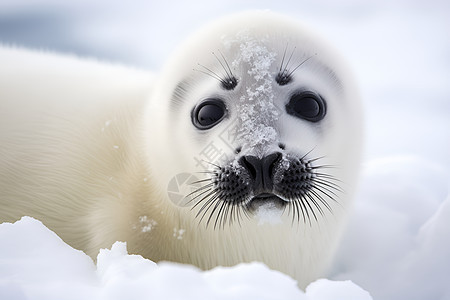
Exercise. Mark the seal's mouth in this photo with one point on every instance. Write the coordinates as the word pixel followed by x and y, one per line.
pixel 265 199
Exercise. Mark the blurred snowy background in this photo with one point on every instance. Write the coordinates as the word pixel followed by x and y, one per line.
pixel 398 242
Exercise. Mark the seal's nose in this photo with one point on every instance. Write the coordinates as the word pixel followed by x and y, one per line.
pixel 261 170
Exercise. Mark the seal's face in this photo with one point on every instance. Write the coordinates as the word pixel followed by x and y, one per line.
pixel 263 120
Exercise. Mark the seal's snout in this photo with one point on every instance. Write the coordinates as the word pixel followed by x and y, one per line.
pixel 261 170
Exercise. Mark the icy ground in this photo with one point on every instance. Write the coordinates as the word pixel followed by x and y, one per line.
pixel 398 241
pixel 36 264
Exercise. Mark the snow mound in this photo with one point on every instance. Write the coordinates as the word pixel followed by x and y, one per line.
pixel 398 241
pixel 36 264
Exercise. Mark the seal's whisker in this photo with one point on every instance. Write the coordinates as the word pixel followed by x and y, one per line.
pixel 238 214
pixel 228 80
pixel 333 183
pixel 292 206
pixel 221 214
pixel 227 75
pixel 199 181
pixel 225 214
pixel 210 73
pixel 226 62
pixel 327 176
pixel 322 200
pixel 328 184
pixel 210 194
pixel 223 208
pixel 218 203
pixel 299 65
pixel 289 60
pixel 326 190
pixel 309 206
pixel 307 153
pixel 311 197
pixel 324 167
pixel 304 202
pixel 198 196
pixel 284 56
pixel 296 215
pixel 315 159
pixel 301 208
pixel 285 69
pixel 207 206
pixel 234 214
pixel 240 210
pixel 206 172
pixel 245 209
pixel 206 186
pixel 289 210
pixel 213 164
pixel 227 69
pixel 231 219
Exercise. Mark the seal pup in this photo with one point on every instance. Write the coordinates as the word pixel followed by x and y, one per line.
pixel 245 148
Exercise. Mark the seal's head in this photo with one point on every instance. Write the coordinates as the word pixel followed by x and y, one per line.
pixel 264 115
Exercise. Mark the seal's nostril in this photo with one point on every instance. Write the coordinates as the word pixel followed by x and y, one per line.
pixel 261 170
pixel 252 164
pixel 269 163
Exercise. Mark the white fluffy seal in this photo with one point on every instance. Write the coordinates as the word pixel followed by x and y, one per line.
pixel 245 148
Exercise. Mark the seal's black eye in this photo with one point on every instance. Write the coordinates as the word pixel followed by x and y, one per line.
pixel 307 105
pixel 208 113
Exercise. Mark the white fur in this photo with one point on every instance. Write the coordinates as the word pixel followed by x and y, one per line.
pixel 90 148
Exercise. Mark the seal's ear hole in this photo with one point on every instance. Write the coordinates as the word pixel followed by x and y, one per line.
pixel 208 113
pixel 306 105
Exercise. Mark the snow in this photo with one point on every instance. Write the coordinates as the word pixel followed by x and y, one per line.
pixel 255 131
pixel 398 240
pixel 146 223
pixel 324 289
pixel 36 264
pixel 268 213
